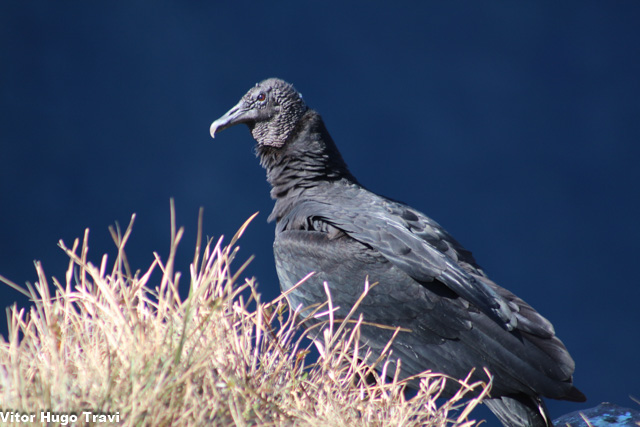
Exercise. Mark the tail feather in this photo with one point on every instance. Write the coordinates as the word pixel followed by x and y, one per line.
pixel 520 411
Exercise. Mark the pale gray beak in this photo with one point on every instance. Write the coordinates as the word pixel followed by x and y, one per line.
pixel 238 114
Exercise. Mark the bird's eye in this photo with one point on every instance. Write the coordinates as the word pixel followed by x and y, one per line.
pixel 261 97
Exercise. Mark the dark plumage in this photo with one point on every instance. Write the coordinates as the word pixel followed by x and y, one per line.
pixel 428 284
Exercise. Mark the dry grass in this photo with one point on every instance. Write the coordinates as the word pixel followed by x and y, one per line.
pixel 108 341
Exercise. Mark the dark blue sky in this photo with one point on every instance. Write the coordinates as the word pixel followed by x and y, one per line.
pixel 516 125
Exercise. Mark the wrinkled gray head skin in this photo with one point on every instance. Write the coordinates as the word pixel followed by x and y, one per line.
pixel 271 109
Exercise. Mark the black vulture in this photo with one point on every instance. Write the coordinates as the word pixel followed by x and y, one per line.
pixel 453 317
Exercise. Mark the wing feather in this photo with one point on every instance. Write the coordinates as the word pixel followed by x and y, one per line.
pixel 379 224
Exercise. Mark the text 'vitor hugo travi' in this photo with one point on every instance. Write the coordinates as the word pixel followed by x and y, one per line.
pixel 57 417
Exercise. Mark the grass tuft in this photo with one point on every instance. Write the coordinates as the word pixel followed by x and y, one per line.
pixel 107 341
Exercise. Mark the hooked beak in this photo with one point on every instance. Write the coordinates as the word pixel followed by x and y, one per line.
pixel 238 114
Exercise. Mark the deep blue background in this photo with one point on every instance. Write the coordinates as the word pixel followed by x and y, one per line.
pixel 516 125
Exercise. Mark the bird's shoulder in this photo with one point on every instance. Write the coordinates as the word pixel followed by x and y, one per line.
pixel 383 223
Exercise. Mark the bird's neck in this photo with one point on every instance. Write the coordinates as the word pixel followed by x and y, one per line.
pixel 307 160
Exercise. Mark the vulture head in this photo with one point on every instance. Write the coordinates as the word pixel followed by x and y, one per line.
pixel 271 109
